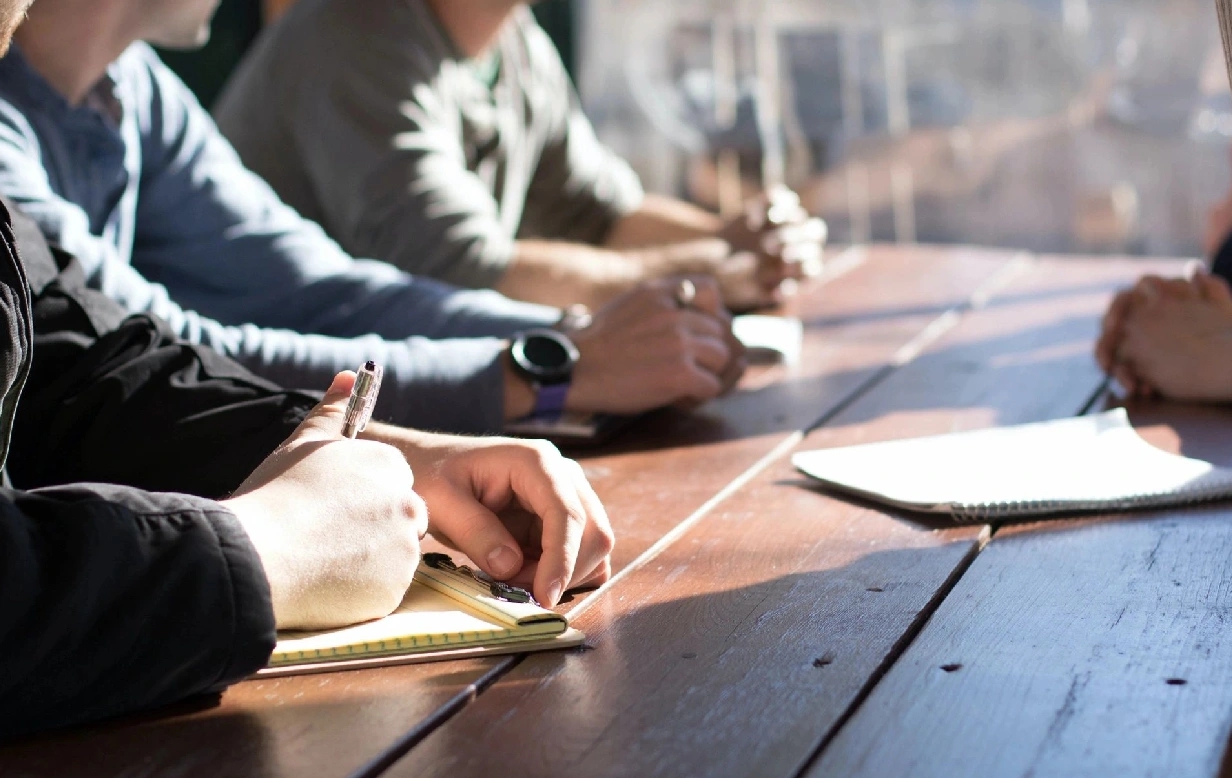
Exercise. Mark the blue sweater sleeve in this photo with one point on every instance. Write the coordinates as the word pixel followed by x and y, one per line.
pixel 453 384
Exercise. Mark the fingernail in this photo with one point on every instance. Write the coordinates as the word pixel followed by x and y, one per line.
pixel 502 562
pixel 554 592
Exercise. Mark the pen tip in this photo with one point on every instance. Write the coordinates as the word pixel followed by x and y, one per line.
pixel 369 365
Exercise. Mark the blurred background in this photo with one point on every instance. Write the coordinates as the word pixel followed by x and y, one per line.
pixel 1050 125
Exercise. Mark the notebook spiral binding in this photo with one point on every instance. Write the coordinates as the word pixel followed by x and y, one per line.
pixel 1201 490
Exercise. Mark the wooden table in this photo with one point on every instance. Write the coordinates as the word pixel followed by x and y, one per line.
pixel 757 626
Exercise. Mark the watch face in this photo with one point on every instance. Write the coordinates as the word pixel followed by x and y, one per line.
pixel 546 356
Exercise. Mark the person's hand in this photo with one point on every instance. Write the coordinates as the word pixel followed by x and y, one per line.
pixel 775 240
pixel 649 348
pixel 334 521
pixel 1177 341
pixel 1109 347
pixel 518 509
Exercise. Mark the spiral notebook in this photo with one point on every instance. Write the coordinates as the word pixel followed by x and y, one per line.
pixel 449 612
pixel 1089 463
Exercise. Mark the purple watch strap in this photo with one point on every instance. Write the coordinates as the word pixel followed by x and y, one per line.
pixel 550 401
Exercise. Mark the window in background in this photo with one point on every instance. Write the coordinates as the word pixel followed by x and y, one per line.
pixel 1052 125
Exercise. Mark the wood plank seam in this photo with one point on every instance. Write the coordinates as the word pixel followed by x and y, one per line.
pixel 930 334
pixel 917 627
pixel 649 555
pixel 899 648
pixel 455 705
pixel 933 332
pixel 846 261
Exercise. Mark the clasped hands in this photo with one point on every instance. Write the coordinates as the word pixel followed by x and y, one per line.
pixel 1170 338
pixel 774 241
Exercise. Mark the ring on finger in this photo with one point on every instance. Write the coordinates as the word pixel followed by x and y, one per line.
pixel 686 293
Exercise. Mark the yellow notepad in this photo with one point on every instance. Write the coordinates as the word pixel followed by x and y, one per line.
pixel 446 614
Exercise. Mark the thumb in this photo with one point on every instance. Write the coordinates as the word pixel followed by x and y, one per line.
pixel 477 532
pixel 324 422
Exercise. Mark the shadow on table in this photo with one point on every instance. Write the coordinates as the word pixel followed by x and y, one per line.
pixel 727 678
pixel 215 736
pixel 146 744
pixel 745 660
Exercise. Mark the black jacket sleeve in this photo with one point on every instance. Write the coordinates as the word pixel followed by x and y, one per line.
pixel 113 600
pixel 118 399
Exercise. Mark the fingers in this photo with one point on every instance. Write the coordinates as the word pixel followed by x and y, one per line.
pixel 1110 335
pixel 1213 289
pixel 708 298
pixel 324 422
pixel 792 250
pixel 416 511
pixel 709 357
pixel 1146 291
pixel 594 562
pixel 701 324
pixel 549 517
pixel 811 232
pixel 732 374
pixel 476 531
pixel 1151 289
pixel 545 485
pixel 774 269
pixel 711 354
pixel 1126 378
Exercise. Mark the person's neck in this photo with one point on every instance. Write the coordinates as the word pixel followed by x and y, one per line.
pixel 71 42
pixel 474 25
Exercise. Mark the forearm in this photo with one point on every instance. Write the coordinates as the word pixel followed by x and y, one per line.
pixel 569 273
pixel 662 220
pixel 118 600
pixel 561 274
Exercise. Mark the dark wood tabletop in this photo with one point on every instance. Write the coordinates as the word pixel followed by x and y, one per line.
pixel 757 625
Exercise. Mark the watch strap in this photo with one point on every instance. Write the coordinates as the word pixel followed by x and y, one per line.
pixel 550 401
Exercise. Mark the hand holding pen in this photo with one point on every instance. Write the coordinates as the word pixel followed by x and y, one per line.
pixel 336 522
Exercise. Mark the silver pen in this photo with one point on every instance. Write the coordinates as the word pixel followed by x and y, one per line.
pixel 363 399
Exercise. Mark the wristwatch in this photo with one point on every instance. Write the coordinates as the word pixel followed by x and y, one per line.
pixel 545 358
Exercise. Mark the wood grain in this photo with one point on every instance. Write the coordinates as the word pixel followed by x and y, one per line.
pixel 656 476
pixel 1083 647
pixel 671 463
pixel 313 725
pixel 737 648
